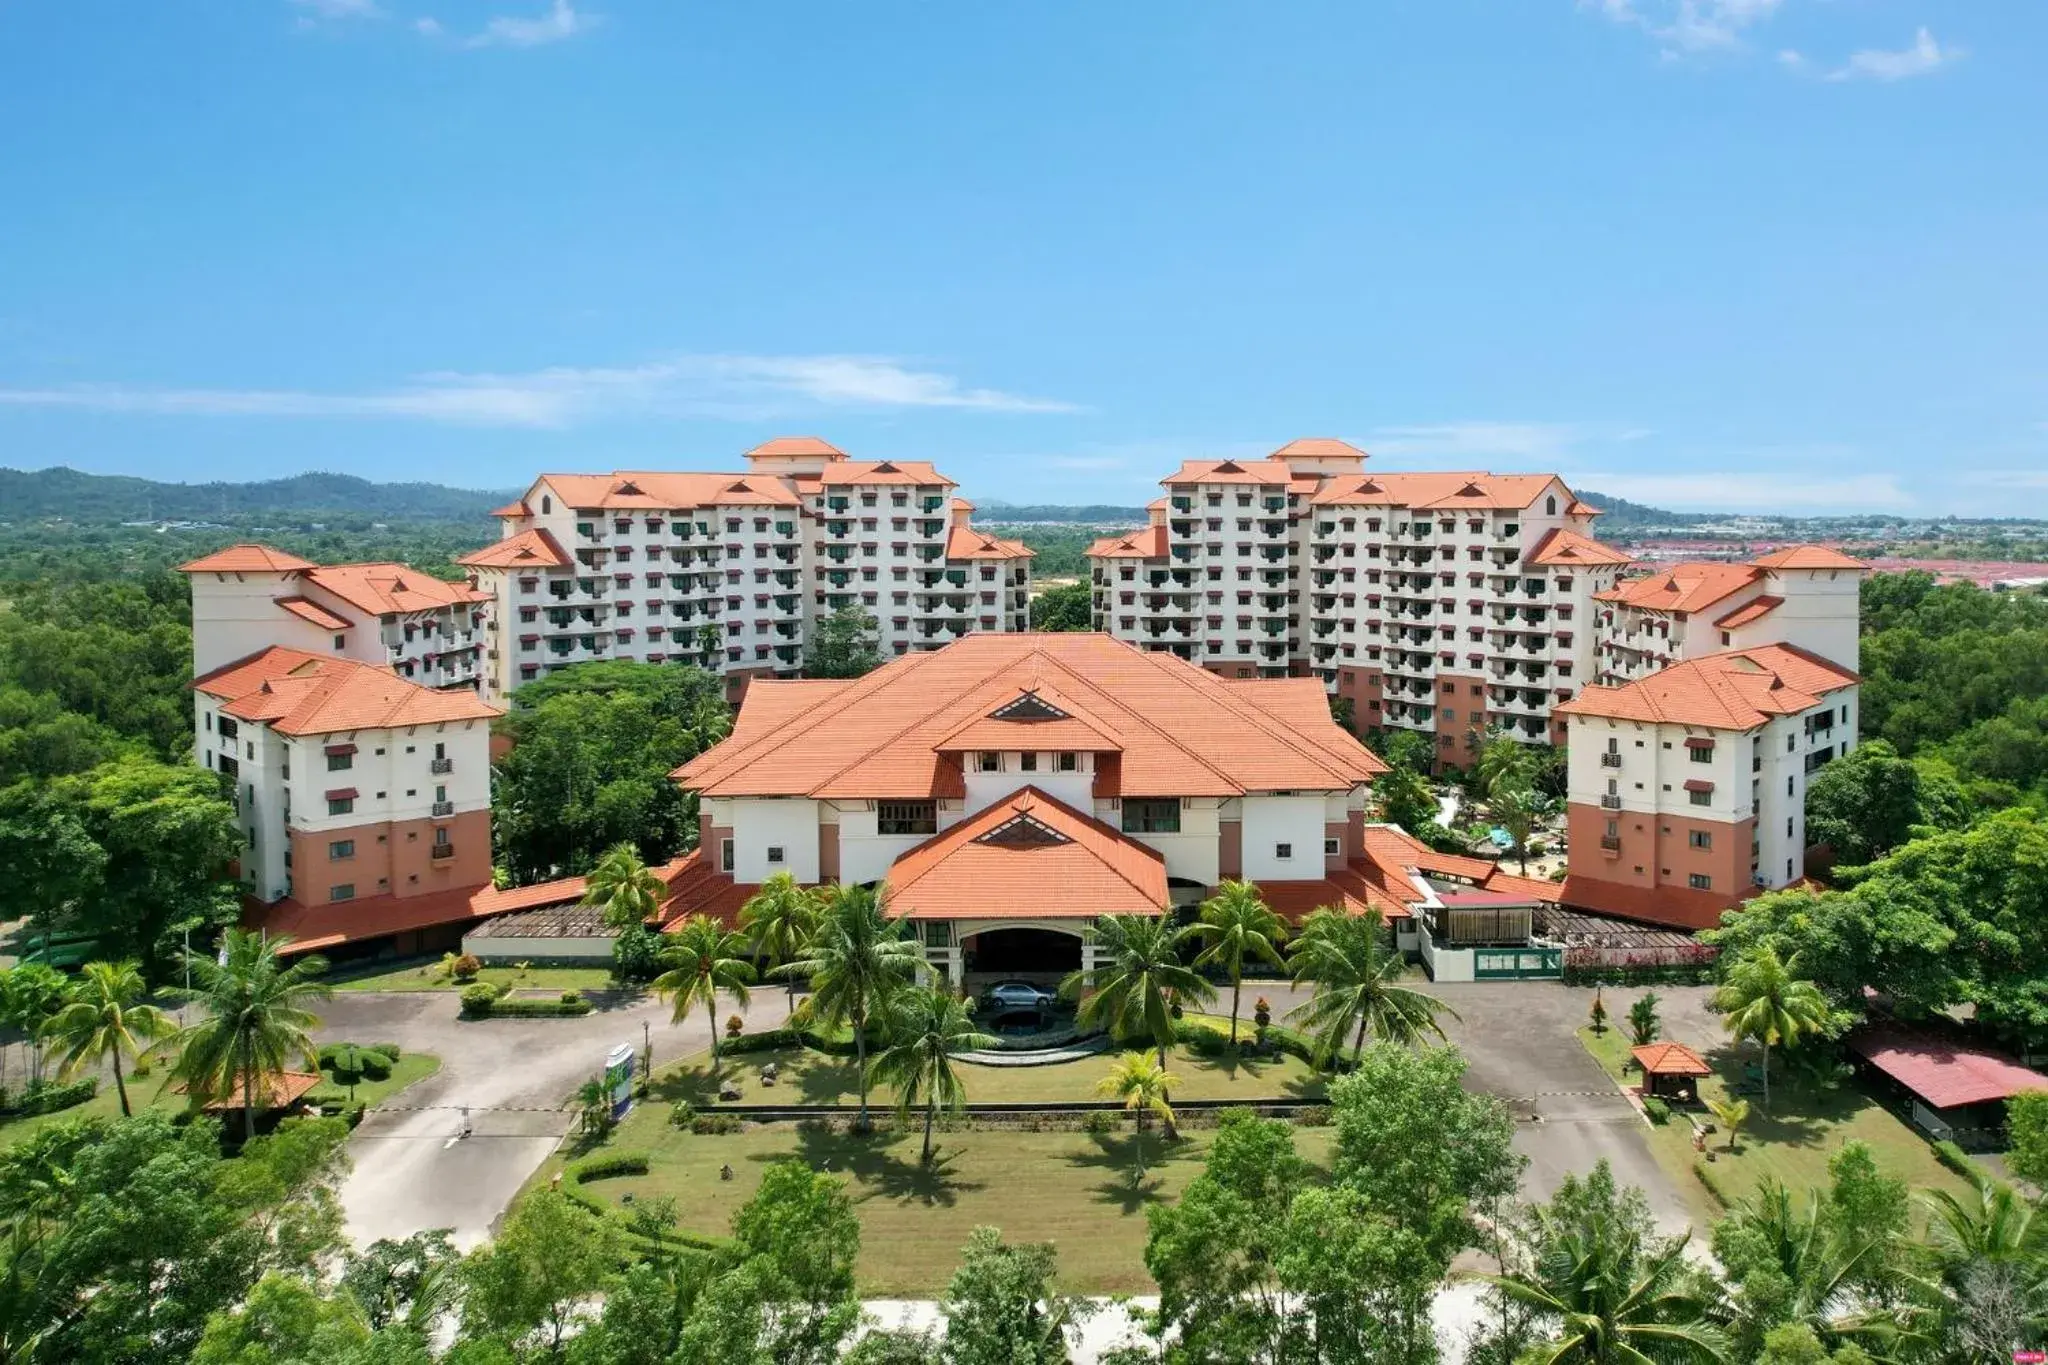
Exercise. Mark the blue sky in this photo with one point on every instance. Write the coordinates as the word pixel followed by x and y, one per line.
pixel 1772 254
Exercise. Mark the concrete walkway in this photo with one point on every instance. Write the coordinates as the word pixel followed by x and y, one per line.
pixel 515 1077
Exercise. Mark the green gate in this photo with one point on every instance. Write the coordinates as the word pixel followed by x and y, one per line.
pixel 1517 964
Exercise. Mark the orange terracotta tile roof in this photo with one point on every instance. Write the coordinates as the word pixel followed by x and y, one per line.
pixel 785 447
pixel 246 558
pixel 510 509
pixel 916 472
pixel 964 542
pixel 1319 448
pixel 1450 491
pixel 1670 1059
pixel 562 891
pixel 1750 612
pixel 695 888
pixel 959 505
pixel 1001 862
pixel 1184 731
pixel 1738 689
pixel 1399 855
pixel 1147 542
pixel 279 1091
pixel 299 693
pixel 1266 472
pixel 1584 509
pixel 314 612
pixel 1808 557
pixel 1677 907
pixel 654 491
pixel 391 588
pixel 1683 587
pixel 1348 889
pixel 535 549
pixel 1565 548
pixel 311 928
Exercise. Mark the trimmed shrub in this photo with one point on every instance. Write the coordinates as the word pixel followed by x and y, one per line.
pixel 572 997
pixel 1099 1121
pixel 478 999
pixel 607 1166
pixel 680 1114
pixel 513 1008
pixel 376 1066
pixel 388 1049
pixel 636 954
pixel 714 1125
pixel 466 967
pixel 1656 1110
pixel 47 1098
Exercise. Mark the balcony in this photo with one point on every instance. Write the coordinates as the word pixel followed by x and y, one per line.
pixel 443 808
pixel 1610 843
pixel 1611 801
pixel 1610 760
pixel 441 853
pixel 442 765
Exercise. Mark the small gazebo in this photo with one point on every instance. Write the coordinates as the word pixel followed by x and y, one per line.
pixel 1671 1071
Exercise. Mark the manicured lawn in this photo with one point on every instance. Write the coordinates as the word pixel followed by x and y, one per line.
pixel 811 1077
pixel 425 975
pixel 1792 1143
pixel 411 1069
pixel 1072 1189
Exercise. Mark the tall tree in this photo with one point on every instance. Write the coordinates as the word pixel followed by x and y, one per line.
pixel 527 1287
pixel 1763 1000
pixel 107 1018
pixel 778 921
pixel 624 887
pixel 1235 924
pixel 1505 764
pixel 1002 1309
pixel 785 1291
pixel 254 1022
pixel 30 996
pixel 704 957
pixel 856 961
pixel 1351 962
pixel 1870 800
pixel 1520 810
pixel 1405 798
pixel 843 645
pixel 1067 606
pixel 1137 979
pixel 927 1029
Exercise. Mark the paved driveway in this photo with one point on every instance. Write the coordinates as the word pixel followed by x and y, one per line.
pixel 515 1076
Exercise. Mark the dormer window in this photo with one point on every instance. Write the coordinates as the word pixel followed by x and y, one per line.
pixel 988 762
pixel 1028 762
pixel 1066 763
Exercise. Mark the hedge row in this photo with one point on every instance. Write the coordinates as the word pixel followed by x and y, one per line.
pixel 485 1001
pixel 611 1165
pixel 1205 1040
pixel 48 1099
pixel 787 1035
pixel 1642 974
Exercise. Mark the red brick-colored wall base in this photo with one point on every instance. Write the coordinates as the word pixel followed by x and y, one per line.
pixel 1649 875
pixel 395 859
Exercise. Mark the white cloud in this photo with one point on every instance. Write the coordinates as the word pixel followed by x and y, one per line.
pixel 562 21
pixel 427 26
pixel 1924 57
pixel 1741 490
pixel 713 385
pixel 1687 27
pixel 1792 59
pixel 340 9
pixel 1482 441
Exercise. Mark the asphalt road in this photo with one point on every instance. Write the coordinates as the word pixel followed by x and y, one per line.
pixel 413 1170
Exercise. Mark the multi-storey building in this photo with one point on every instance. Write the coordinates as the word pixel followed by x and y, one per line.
pixel 248 597
pixel 1687 787
pixel 733 571
pixel 1804 595
pixel 365 799
pixel 1449 604
pixel 1008 789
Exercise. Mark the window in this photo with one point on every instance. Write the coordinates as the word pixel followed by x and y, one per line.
pixel 346 891
pixel 341 805
pixel 1028 762
pixel 1146 815
pixel 337 763
pixel 341 849
pixel 1700 753
pixel 987 762
pixel 775 853
pixel 1066 763
pixel 1332 847
pixel 725 855
pixel 1283 850
pixel 1700 798
pixel 906 817
pixel 1700 881
pixel 1700 838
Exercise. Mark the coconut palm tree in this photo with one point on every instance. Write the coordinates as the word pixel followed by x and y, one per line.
pixel 1505 764
pixel 1995 1224
pixel 927 1028
pixel 1142 1083
pixel 1237 923
pixel 1137 979
pixel 778 921
pixel 1731 1114
pixel 107 1017
pixel 1608 1304
pixel 703 958
pixel 1354 968
pixel 254 1021
pixel 625 887
pixel 1519 810
pixel 1644 1023
pixel 1765 1000
pixel 856 961
pixel 1820 1263
pixel 30 995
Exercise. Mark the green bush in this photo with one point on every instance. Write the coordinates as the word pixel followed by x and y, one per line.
pixel 511 1008
pixel 1099 1121
pixel 1313 1116
pixel 46 1098
pixel 681 1114
pixel 1655 1109
pixel 714 1125
pixel 478 999
pixel 636 954
pixel 1957 1160
pixel 389 1050
pixel 770 1040
pixel 572 997
pixel 607 1166
pixel 376 1066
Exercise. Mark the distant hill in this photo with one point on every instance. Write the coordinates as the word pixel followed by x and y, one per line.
pixel 41 494
pixel 1621 513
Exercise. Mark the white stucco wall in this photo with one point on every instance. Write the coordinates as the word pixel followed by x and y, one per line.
pixel 1273 820
pixel 761 822
pixel 985 789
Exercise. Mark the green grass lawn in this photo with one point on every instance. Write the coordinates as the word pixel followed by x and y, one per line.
pixel 1075 1190
pixel 425 975
pixel 411 1069
pixel 1806 1125
pixel 812 1077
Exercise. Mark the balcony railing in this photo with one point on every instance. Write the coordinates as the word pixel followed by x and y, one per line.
pixel 1610 803
pixel 441 808
pixel 442 852
pixel 442 765
pixel 1610 760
